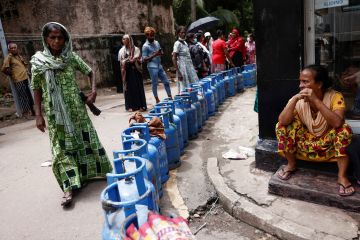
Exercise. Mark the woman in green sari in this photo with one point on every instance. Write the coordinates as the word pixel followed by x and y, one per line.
pixel 77 152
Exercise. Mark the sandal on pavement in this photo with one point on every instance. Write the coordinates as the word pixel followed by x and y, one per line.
pixel 343 190
pixel 285 174
pixel 66 199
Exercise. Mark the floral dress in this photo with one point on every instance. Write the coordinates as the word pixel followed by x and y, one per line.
pixel 185 64
pixel 296 138
pixel 251 52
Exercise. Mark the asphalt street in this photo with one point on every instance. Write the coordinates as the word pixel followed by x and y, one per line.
pixel 30 197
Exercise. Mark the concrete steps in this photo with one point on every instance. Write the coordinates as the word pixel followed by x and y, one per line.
pixel 316 187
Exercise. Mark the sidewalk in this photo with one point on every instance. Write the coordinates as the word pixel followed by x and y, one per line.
pixel 243 189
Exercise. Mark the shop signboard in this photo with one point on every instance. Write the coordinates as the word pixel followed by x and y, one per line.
pixel 320 4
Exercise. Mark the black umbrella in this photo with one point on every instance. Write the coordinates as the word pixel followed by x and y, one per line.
pixel 202 23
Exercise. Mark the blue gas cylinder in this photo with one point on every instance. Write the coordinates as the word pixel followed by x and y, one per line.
pixel 127 193
pixel 180 112
pixel 209 95
pixel 172 140
pixel 132 219
pixel 141 130
pixel 220 88
pixel 140 148
pixel 220 80
pixel 253 73
pixel 249 76
pixel 233 80
pixel 239 80
pixel 174 119
pixel 201 98
pixel 229 84
pixel 216 90
pixel 223 90
pixel 196 103
pixel 191 115
pixel 160 145
pixel 226 83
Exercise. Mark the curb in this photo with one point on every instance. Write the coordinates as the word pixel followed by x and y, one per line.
pixel 241 208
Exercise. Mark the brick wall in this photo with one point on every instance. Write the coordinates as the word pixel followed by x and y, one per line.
pixel 96 28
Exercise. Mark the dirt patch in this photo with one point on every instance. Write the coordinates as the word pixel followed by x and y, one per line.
pixel 13 119
pixel 218 224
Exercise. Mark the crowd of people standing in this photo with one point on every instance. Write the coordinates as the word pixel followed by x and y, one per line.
pixel 194 56
pixel 209 55
pixel 78 154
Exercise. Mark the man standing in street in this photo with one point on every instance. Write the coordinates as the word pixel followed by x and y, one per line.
pixel 15 66
pixel 151 53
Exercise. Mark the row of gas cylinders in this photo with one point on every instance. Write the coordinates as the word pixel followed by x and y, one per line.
pixel 135 186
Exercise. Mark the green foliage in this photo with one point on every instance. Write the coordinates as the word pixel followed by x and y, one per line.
pixel 182 11
pixel 201 12
pixel 228 19
pixel 246 21
pixel 232 13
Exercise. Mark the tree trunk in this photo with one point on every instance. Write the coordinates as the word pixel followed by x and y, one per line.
pixel 149 8
pixel 193 10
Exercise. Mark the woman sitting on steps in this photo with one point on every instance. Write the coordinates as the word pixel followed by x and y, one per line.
pixel 311 127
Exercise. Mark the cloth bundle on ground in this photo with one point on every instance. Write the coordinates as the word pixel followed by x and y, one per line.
pixel 161 227
pixel 156 127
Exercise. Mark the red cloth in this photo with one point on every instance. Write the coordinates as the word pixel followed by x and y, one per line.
pixel 236 44
pixel 218 54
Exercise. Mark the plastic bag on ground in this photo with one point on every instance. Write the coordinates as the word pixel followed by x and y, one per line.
pixel 250 152
pixel 233 155
pixel 165 229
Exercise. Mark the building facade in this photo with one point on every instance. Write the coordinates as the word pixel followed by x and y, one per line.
pixel 291 35
pixel 96 27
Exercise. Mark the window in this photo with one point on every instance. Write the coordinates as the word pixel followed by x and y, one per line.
pixel 332 39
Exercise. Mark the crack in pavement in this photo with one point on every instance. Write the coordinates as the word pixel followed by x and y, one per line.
pixel 326 235
pixel 252 200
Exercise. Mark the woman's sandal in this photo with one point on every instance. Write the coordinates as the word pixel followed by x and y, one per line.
pixel 285 174
pixel 342 190
pixel 66 199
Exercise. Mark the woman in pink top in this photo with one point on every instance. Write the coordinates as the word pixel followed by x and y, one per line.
pixel 251 49
pixel 219 53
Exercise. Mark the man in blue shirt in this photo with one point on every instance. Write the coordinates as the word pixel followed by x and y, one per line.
pixel 151 53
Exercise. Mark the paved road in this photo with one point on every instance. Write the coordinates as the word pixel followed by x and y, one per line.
pixel 30 197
